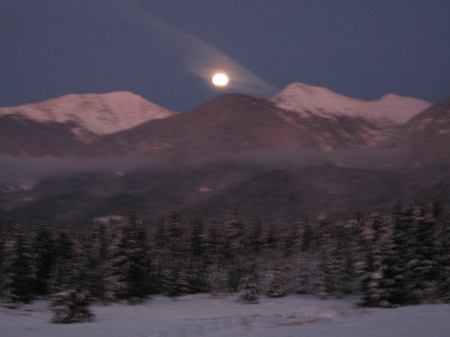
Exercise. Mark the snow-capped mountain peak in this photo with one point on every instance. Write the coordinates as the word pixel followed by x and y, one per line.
pixel 397 108
pixel 310 100
pixel 300 97
pixel 98 113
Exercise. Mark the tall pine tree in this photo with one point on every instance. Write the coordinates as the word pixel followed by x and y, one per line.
pixel 17 274
pixel 44 256
pixel 129 275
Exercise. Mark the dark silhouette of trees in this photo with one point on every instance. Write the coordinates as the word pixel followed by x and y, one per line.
pixel 389 260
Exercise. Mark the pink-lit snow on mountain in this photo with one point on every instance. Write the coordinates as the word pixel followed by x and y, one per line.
pixel 99 113
pixel 310 100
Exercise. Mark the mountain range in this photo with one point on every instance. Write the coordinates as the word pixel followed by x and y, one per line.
pixel 299 117
pixel 304 152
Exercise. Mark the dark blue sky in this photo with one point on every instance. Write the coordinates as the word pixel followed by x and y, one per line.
pixel 165 49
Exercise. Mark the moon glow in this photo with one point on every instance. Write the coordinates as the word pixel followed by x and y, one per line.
pixel 220 79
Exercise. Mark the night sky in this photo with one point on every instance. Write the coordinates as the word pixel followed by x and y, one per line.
pixel 166 50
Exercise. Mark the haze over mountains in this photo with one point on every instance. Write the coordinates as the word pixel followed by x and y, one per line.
pixel 304 152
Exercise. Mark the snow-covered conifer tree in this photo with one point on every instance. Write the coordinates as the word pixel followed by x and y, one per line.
pixel 378 274
pixel 65 272
pixel 444 260
pixel 95 255
pixel 256 235
pixel 214 256
pixel 129 274
pixel 214 244
pixel 43 252
pixel 248 290
pixel 307 277
pixel 239 250
pixel 17 275
pixel 197 264
pixel 217 279
pixel 176 283
pixel 71 306
pixel 291 241
pixel 276 283
pixel 402 253
pixel 423 268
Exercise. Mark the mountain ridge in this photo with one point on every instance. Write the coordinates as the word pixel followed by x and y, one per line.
pixel 234 123
pixel 311 100
pixel 300 117
pixel 99 113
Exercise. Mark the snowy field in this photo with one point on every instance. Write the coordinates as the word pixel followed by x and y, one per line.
pixel 204 315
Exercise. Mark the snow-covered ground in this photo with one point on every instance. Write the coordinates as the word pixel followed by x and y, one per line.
pixel 204 315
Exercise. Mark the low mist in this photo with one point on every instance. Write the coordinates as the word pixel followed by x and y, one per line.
pixel 356 158
pixel 25 170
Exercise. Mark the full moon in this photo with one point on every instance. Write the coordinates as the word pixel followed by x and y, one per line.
pixel 220 79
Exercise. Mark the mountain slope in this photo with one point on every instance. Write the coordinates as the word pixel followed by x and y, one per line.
pixel 225 124
pixel 428 133
pixel 98 113
pixel 238 123
pixel 23 137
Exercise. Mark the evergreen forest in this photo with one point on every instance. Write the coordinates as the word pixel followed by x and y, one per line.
pixel 388 260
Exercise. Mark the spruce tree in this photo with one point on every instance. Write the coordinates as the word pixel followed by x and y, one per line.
pixel 44 255
pixel 424 270
pixel 129 274
pixel 197 238
pixel 176 283
pixel 402 254
pixel 248 290
pixel 307 237
pixel 272 238
pixel 159 254
pixel 96 257
pixel 378 274
pixel 307 273
pixel 334 259
pixel 197 264
pixel 217 273
pixel 87 264
pixel 65 271
pixel 71 306
pixel 277 283
pixel 239 244
pixel 179 250
pixel 444 259
pixel 256 235
pixel 217 279
pixel 291 241
pixel 17 275
pixel 214 244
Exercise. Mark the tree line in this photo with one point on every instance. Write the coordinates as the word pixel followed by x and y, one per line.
pixel 388 260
